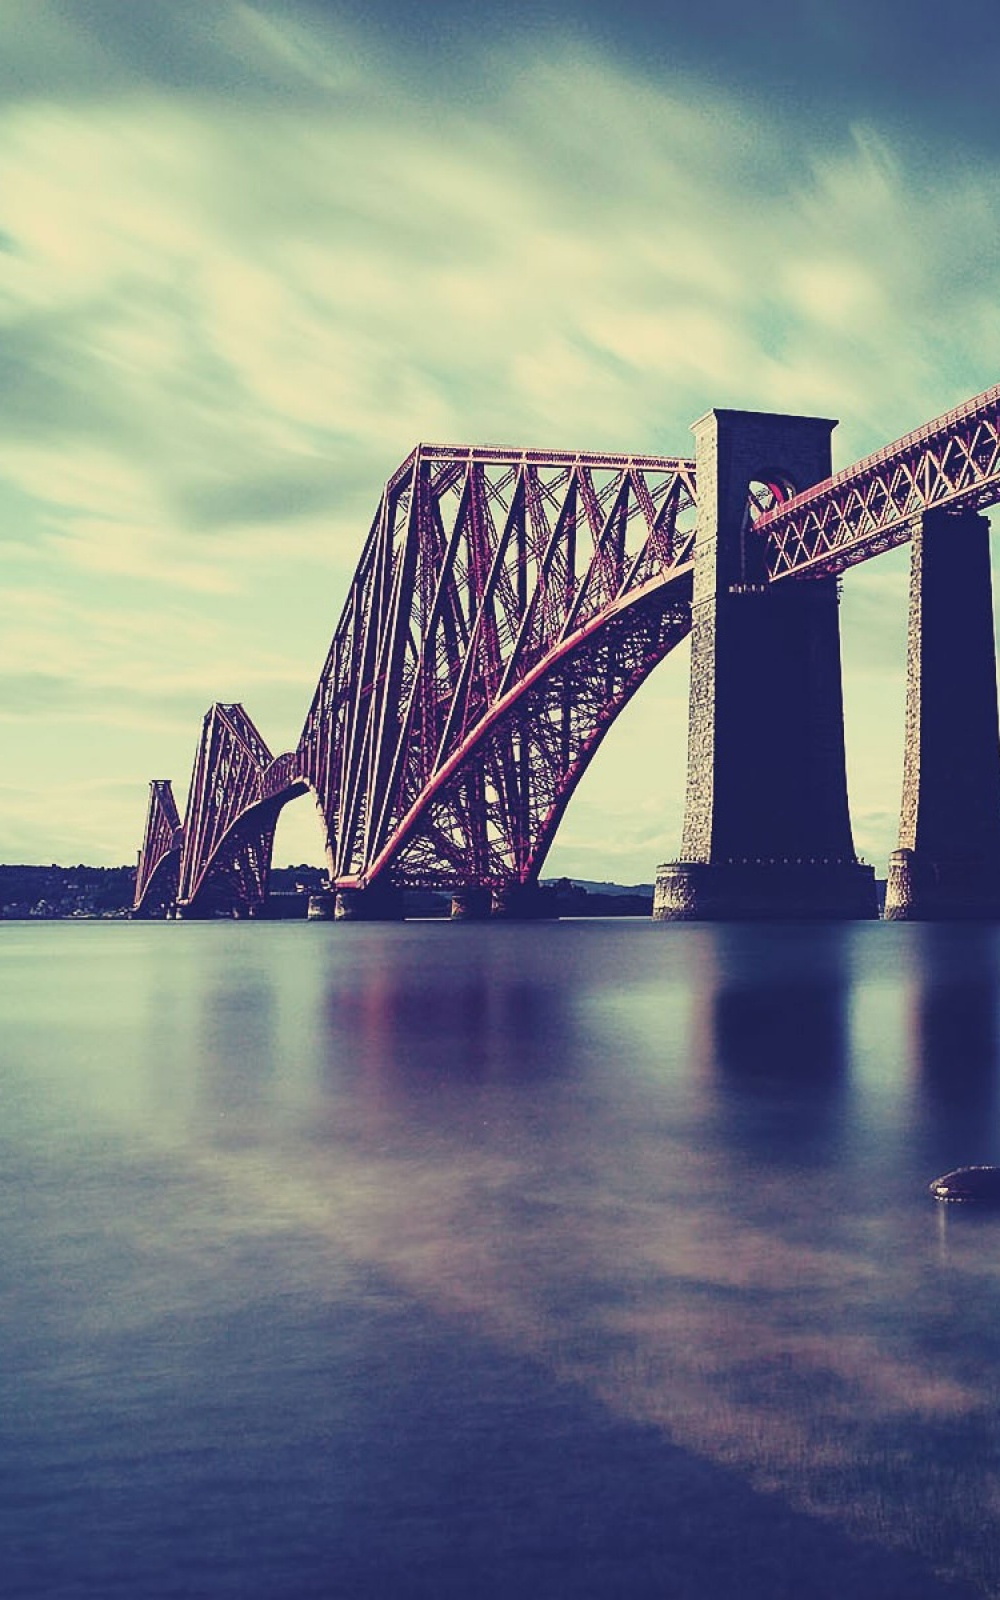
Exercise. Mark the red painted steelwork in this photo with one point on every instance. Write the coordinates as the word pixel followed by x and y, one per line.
pixel 472 674
pixel 952 462
pixel 560 711
pixel 162 842
pixel 506 606
pixel 237 790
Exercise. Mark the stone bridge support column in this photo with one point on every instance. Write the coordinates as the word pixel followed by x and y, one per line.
pixel 767 832
pixel 947 866
pixel 471 905
pixel 524 902
pixel 378 902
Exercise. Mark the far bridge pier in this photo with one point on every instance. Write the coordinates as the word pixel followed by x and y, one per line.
pixel 947 866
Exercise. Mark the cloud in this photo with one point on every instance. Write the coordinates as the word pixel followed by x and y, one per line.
pixel 99 48
pixel 95 821
pixel 215 290
pixel 64 657
pixel 244 278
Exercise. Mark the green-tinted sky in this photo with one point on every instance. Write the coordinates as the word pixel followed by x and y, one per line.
pixel 250 253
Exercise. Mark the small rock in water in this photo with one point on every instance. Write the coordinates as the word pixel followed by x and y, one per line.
pixel 967 1184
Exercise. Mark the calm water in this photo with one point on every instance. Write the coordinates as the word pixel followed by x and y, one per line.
pixel 590 1260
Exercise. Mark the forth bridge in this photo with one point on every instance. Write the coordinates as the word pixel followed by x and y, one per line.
pixel 508 604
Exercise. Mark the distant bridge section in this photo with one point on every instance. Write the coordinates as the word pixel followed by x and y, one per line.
pixel 160 857
pixel 237 791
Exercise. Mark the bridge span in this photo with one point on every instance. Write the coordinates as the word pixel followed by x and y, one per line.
pixel 508 604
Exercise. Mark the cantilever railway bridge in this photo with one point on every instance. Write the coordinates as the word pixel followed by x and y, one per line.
pixel 506 606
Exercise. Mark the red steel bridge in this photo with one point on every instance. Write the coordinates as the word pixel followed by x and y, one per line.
pixel 506 607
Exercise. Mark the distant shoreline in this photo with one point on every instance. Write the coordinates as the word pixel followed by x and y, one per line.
pixel 34 893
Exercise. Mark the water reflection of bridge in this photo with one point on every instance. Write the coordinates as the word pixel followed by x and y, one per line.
pixel 507 606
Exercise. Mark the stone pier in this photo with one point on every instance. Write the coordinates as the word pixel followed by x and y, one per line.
pixel 322 906
pixel 767 832
pixel 947 866
pixel 376 903
pixel 471 905
pixel 524 902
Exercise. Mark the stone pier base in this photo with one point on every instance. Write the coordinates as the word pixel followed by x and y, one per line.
pixel 374 904
pixel 471 905
pixel 322 906
pixel 763 891
pixel 524 902
pixel 919 890
pixel 947 866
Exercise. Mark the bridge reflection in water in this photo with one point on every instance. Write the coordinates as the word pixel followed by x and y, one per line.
pixel 564 1259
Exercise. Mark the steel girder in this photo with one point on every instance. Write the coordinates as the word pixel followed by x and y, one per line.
pixel 237 791
pixel 470 679
pixel 952 462
pixel 162 841
pixel 489 815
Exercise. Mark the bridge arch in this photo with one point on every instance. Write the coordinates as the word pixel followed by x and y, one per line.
pixel 234 877
pixel 158 889
pixel 506 606
pixel 552 721
pixel 158 869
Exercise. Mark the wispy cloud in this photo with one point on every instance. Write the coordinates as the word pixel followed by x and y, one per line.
pixel 236 290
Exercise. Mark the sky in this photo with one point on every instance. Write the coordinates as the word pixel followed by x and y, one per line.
pixel 252 251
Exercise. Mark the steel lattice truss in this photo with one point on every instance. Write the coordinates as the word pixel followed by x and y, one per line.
pixel 953 462
pixel 488 816
pixel 484 649
pixel 506 606
pixel 237 790
pixel 163 838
